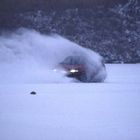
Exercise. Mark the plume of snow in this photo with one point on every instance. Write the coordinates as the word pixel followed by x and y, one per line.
pixel 27 56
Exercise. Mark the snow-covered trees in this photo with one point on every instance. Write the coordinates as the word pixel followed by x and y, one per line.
pixel 113 32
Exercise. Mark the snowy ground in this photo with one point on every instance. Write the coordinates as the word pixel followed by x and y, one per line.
pixel 74 111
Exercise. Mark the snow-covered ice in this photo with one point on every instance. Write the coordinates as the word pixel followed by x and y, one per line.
pixel 61 109
pixel 74 111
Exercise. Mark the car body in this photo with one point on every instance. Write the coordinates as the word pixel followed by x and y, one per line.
pixel 78 67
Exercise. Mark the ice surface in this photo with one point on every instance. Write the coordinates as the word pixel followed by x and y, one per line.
pixel 74 111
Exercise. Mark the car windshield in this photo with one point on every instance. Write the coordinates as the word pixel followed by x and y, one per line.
pixel 73 60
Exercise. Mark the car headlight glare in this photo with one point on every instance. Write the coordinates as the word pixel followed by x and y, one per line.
pixel 73 70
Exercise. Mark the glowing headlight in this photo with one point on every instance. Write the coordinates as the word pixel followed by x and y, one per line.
pixel 60 71
pixel 73 70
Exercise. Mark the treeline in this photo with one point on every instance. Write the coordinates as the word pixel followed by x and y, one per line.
pixel 26 5
pixel 113 32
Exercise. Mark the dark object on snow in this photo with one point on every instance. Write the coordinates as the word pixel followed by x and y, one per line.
pixel 33 93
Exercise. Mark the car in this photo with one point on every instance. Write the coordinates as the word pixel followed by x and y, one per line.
pixel 74 66
pixel 79 67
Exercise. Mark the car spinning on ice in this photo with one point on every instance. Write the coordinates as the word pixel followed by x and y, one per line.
pixel 83 69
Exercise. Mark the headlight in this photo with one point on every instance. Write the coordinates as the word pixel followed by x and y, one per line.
pixel 60 71
pixel 73 70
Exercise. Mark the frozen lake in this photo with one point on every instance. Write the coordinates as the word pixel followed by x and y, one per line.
pixel 74 111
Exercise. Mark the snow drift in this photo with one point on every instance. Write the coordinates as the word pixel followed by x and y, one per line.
pixel 26 56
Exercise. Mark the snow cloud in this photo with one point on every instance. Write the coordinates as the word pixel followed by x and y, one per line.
pixel 26 56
